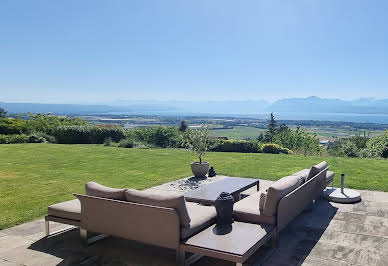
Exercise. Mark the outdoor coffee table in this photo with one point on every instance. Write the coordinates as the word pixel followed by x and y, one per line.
pixel 237 246
pixel 208 194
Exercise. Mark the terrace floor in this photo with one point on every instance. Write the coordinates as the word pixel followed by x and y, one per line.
pixel 330 234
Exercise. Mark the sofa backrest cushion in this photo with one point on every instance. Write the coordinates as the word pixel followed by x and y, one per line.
pixel 278 190
pixel 96 190
pixel 169 200
pixel 316 169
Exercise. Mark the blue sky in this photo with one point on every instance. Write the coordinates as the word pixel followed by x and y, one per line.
pixel 102 51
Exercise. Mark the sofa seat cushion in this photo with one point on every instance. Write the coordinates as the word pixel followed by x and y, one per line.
pixel 329 176
pixel 68 210
pixel 161 199
pixel 278 190
pixel 247 210
pixel 201 218
pixel 316 169
pixel 96 190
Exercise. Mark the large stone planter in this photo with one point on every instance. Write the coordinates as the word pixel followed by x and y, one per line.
pixel 200 169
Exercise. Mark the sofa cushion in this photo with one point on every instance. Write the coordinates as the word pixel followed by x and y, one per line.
pixel 316 169
pixel 304 173
pixel 161 199
pixel 278 190
pixel 201 218
pixel 68 210
pixel 96 190
pixel 247 210
pixel 329 176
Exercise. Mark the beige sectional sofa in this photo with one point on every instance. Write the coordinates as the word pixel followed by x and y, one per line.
pixel 162 220
pixel 167 219
pixel 285 199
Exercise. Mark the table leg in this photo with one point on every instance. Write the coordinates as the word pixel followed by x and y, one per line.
pixel 258 186
pixel 239 264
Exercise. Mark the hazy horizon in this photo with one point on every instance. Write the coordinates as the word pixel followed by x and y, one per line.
pixel 116 101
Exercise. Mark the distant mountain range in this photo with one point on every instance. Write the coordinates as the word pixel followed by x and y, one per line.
pixel 290 108
pixel 319 105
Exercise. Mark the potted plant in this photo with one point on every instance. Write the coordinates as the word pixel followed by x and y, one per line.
pixel 198 141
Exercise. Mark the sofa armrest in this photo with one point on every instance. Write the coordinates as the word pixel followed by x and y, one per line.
pixel 144 223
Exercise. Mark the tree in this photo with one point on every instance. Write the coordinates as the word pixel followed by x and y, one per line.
pixel 283 128
pixel 271 128
pixel 198 141
pixel 260 137
pixel 183 126
pixel 3 112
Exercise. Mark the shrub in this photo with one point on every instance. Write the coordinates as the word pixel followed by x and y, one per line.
pixel 378 146
pixel 243 146
pixel 349 149
pixel 49 138
pixel 99 133
pixel 14 138
pixel 108 141
pixel 274 149
pixel 297 140
pixel 165 137
pixel 126 143
pixel 13 126
pixel 87 134
pixel 48 123
pixel 35 138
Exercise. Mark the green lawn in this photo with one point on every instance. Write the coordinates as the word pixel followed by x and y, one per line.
pixel 238 132
pixel 33 176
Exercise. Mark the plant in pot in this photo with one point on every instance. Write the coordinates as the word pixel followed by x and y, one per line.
pixel 198 141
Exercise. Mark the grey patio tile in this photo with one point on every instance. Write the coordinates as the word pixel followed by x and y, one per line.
pixel 363 229
pixel 9 242
pixel 2 234
pixel 336 225
pixel 352 240
pixel 350 217
pixel 343 207
pixel 23 255
pixel 336 252
pixel 368 257
pixel 384 231
pixel 8 263
pixel 26 228
pixel 383 260
pixel 379 195
pixel 376 220
pixel 334 237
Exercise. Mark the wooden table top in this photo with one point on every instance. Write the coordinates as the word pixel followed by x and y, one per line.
pixel 210 192
pixel 237 246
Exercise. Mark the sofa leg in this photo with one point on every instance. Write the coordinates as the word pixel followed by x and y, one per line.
pixel 84 236
pixel 180 257
pixel 47 226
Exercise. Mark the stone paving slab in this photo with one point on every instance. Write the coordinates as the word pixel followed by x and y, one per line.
pixel 329 234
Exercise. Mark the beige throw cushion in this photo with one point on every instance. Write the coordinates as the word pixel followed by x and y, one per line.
pixel 96 190
pixel 316 169
pixel 168 200
pixel 278 190
pixel 263 197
